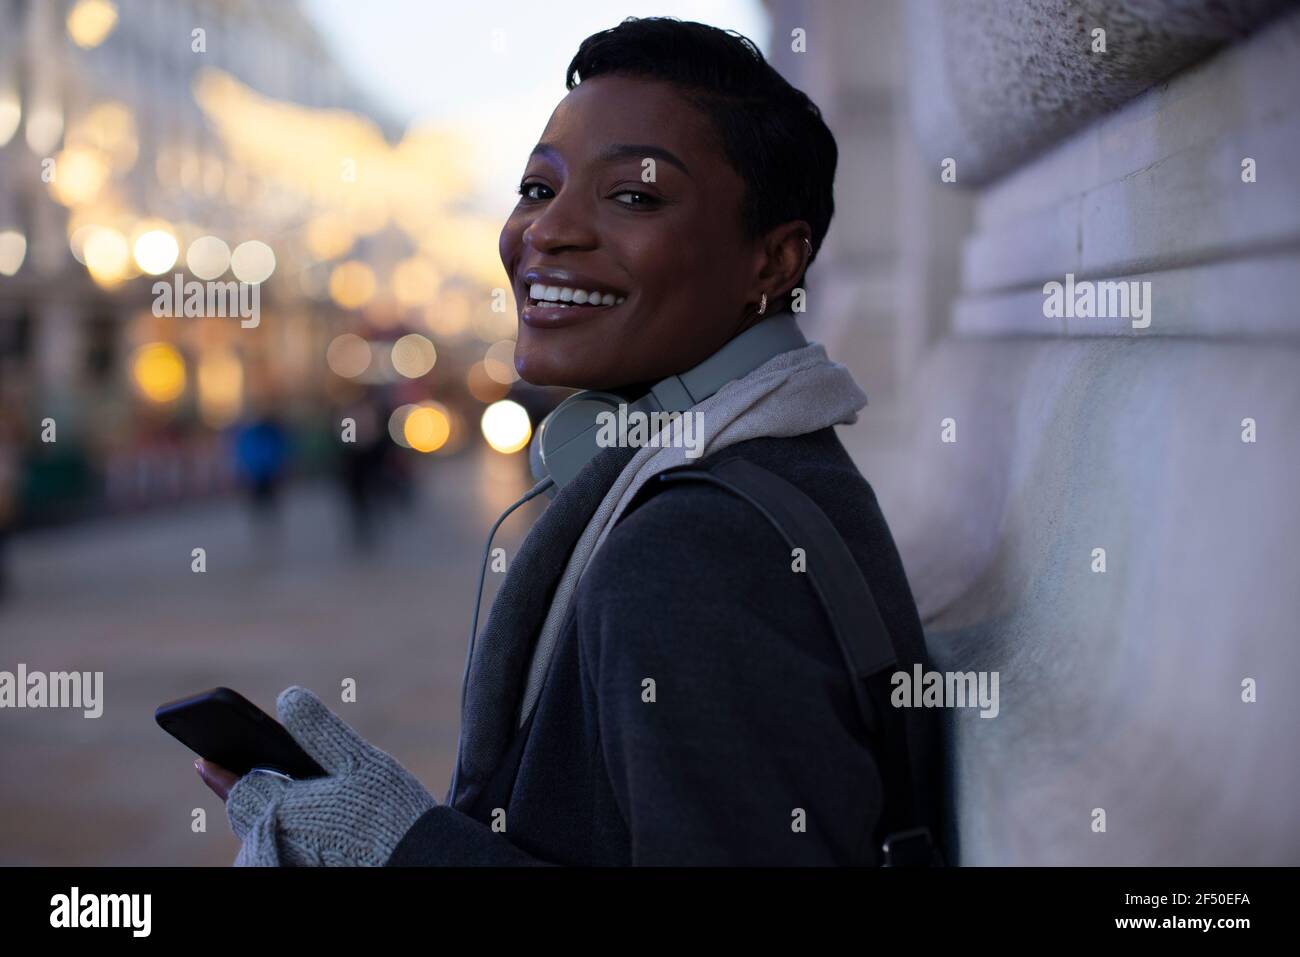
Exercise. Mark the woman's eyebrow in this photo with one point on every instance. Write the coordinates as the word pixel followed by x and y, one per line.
pixel 616 151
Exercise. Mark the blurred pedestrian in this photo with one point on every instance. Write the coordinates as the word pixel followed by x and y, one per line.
pixel 261 458
pixel 362 468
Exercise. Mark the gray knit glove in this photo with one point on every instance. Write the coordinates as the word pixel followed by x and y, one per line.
pixel 355 816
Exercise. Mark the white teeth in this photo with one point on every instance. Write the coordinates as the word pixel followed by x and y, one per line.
pixel 540 292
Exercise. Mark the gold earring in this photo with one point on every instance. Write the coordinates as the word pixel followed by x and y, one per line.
pixel 762 304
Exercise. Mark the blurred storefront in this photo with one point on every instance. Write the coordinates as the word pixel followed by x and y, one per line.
pixel 219 142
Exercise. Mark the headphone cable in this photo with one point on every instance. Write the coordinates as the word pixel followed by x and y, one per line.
pixel 528 496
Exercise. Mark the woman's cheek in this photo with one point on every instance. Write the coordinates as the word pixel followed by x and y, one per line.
pixel 508 245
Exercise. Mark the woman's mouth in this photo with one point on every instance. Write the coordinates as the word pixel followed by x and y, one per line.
pixel 568 296
pixel 550 306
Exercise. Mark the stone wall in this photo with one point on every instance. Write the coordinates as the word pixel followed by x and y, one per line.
pixel 1120 690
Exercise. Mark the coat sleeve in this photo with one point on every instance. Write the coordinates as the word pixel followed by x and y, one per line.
pixel 446 837
pixel 725 711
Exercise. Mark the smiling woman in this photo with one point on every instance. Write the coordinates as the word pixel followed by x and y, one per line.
pixel 662 678
pixel 683 176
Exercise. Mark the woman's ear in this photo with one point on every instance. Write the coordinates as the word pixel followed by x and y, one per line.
pixel 786 251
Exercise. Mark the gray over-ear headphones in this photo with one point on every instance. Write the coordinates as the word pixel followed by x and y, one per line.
pixel 566 439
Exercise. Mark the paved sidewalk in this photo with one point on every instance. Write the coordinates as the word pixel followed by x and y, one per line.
pixel 297 607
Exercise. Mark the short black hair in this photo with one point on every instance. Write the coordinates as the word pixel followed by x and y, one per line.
pixel 772 133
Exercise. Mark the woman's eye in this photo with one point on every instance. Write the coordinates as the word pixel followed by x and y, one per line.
pixel 643 199
pixel 526 190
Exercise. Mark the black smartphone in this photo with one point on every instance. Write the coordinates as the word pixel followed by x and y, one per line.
pixel 227 729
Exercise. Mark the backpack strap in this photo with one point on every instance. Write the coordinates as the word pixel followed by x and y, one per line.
pixel 859 630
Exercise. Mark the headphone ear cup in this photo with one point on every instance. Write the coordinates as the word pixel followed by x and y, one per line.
pixel 535 464
pixel 566 439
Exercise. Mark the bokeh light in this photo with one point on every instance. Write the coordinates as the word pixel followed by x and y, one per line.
pixel 220 385
pixel 348 355
pixel 482 386
pixel 13 250
pixel 44 127
pixel 159 372
pixel 108 256
pixel 499 362
pixel 397 424
pixel 11 114
pixel 413 355
pixel 156 249
pixel 506 426
pixel 77 241
pixel 252 262
pixel 352 284
pixel 79 175
pixel 427 427
pixel 208 257
pixel 90 22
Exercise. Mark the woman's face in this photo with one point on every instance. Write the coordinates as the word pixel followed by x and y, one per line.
pixel 676 279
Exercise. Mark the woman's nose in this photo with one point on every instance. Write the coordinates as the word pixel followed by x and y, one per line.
pixel 562 224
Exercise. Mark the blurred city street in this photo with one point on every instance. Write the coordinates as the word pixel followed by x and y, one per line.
pixel 289 602
pixel 252 301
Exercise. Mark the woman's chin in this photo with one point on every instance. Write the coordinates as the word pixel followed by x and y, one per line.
pixel 546 364
pixel 553 367
pixel 542 370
